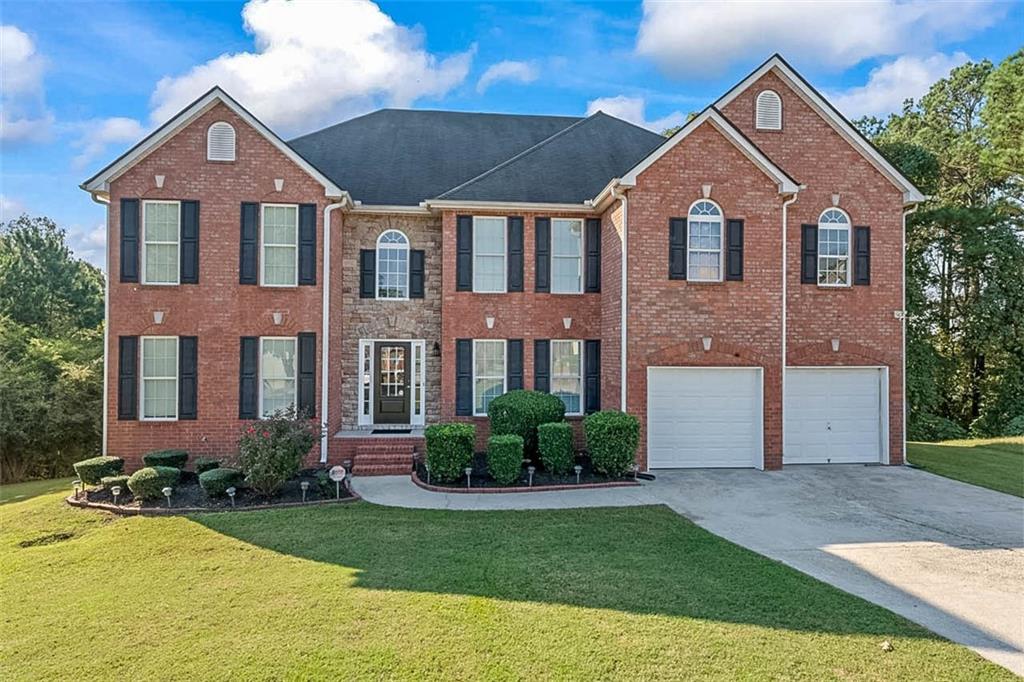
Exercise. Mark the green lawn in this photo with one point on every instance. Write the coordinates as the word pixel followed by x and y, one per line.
pixel 366 592
pixel 996 463
pixel 19 492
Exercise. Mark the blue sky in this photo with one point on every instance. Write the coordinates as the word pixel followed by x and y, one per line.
pixel 84 81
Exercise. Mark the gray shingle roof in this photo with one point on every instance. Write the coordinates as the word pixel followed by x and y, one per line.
pixel 403 157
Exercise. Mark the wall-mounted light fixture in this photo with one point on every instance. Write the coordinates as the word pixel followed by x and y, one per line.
pixel 278 317
pixel 159 181
pixel 158 317
pixel 489 321
pixel 706 342
pixel 566 322
pixel 835 345
pixel 278 184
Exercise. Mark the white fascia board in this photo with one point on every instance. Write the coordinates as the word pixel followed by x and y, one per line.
pixel 360 207
pixel 440 204
pixel 100 183
pixel 911 195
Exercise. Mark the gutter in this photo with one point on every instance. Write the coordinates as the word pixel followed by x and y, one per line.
pixel 785 274
pixel 325 333
pixel 903 329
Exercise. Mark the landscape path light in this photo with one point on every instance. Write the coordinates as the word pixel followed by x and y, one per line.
pixel 116 492
pixel 167 493
pixel 469 473
pixel 77 483
pixel 529 472
pixel 577 469
pixel 305 486
pixel 231 493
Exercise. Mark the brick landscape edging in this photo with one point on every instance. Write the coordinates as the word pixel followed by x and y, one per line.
pixel 523 489
pixel 173 511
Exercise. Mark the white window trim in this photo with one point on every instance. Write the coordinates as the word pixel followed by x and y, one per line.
pixel 504 370
pixel 581 258
pixel 416 368
pixel 263 247
pixel 551 363
pixel 757 106
pixel 177 273
pixel 721 243
pixel 234 141
pixel 408 265
pixel 504 255
pixel 849 248
pixel 259 373
pixel 142 378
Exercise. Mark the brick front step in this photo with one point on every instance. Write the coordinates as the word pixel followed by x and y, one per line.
pixel 381 469
pixel 383 457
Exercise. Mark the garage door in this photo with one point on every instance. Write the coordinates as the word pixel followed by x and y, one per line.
pixel 833 416
pixel 700 417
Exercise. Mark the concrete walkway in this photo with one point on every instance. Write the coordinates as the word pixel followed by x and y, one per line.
pixel 944 554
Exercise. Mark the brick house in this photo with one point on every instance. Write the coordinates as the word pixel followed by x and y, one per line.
pixel 737 286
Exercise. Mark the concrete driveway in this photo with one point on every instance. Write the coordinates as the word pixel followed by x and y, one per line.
pixel 947 555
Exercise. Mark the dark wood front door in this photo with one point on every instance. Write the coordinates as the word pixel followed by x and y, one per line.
pixel 391 366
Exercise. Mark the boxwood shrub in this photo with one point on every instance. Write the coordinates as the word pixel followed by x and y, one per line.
pixel 554 443
pixel 166 458
pixel 612 439
pixel 109 482
pixel 94 469
pixel 520 413
pixel 505 458
pixel 215 482
pixel 202 464
pixel 449 449
pixel 148 483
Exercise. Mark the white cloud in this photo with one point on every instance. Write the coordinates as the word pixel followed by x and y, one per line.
pixel 10 208
pixel 519 72
pixel 707 36
pixel 89 243
pixel 632 109
pixel 97 134
pixel 23 113
pixel 317 61
pixel 893 82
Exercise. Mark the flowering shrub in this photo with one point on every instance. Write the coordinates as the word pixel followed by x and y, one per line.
pixel 270 451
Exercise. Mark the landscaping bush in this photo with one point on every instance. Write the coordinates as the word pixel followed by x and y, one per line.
pixel 449 449
pixel 166 458
pixel 270 451
pixel 1015 427
pixel 505 458
pixel 612 439
pixel 215 482
pixel 91 471
pixel 521 412
pixel 554 443
pixel 109 482
pixel 206 464
pixel 148 483
pixel 931 428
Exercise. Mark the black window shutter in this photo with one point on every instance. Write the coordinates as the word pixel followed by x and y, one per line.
pixel 367 273
pixel 129 240
pixel 515 253
pixel 307 374
pixel 592 271
pixel 189 242
pixel 188 377
pixel 127 377
pixel 542 271
pixel 542 365
pixel 592 372
pixel 248 256
pixel 808 254
pixel 514 378
pixel 307 244
pixel 464 253
pixel 417 274
pixel 463 376
pixel 677 248
pixel 248 378
pixel 862 253
pixel 734 251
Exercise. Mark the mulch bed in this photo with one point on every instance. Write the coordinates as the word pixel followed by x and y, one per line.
pixel 481 480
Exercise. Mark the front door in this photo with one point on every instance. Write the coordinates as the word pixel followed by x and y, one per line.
pixel 391 382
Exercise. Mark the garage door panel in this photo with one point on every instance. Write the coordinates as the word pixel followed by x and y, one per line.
pixel 833 415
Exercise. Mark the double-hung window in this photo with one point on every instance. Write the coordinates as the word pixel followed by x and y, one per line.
pixel 566 256
pixel 567 374
pixel 489 255
pixel 833 248
pixel 161 235
pixel 159 388
pixel 278 386
pixel 280 244
pixel 488 373
pixel 704 242
pixel 393 265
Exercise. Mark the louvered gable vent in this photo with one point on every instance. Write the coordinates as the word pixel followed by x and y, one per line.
pixel 220 142
pixel 769 111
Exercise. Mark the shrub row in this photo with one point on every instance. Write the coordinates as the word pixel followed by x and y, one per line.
pixel 215 482
pixel 520 413
pixel 148 483
pixel 166 458
pixel 92 471
pixel 449 449
pixel 505 458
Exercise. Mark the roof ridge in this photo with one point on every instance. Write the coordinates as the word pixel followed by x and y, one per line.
pixel 516 157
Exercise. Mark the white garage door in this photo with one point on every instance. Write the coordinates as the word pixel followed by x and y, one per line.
pixel 833 415
pixel 701 417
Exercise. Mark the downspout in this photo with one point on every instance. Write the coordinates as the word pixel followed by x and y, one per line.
pixel 903 325
pixel 325 333
pixel 785 274
pixel 621 196
pixel 106 317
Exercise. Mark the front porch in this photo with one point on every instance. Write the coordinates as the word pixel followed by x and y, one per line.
pixel 376 451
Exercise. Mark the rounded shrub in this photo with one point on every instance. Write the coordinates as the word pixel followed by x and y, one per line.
pixel 612 439
pixel 505 458
pixel 215 482
pixel 449 449
pixel 94 469
pixel 202 464
pixel 519 413
pixel 166 458
pixel 109 482
pixel 554 443
pixel 148 483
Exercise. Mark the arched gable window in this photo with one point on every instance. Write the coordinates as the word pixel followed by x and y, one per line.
pixel 769 111
pixel 834 248
pixel 392 265
pixel 220 142
pixel 704 242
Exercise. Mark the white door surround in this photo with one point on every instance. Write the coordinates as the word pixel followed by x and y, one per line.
pixel 365 395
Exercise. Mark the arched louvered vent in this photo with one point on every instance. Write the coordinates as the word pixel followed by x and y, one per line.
pixel 769 111
pixel 220 142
